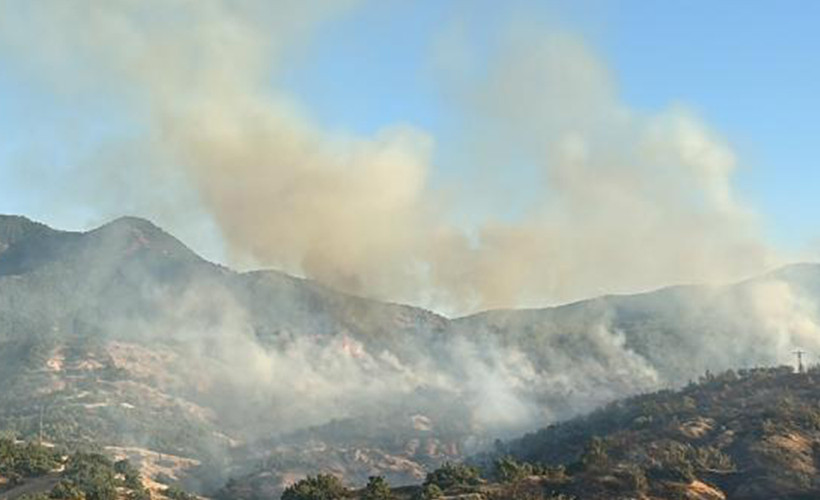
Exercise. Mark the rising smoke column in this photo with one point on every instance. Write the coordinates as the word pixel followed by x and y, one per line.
pixel 629 200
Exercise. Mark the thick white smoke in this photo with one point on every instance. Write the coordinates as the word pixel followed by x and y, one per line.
pixel 629 200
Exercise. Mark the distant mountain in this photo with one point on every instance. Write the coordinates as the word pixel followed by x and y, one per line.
pixel 675 333
pixel 124 336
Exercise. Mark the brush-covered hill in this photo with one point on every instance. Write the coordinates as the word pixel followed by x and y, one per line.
pixel 748 434
pixel 34 471
pixel 124 337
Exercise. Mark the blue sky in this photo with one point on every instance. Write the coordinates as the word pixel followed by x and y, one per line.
pixel 749 68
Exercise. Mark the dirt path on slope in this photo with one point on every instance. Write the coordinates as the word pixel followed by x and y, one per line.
pixel 40 484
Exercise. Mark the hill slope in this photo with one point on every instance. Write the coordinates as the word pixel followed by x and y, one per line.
pixel 124 336
pixel 751 434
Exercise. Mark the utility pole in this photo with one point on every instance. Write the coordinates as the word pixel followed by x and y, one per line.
pixel 799 355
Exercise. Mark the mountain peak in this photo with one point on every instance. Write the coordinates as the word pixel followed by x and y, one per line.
pixel 131 234
pixel 14 228
pixel 26 245
pixel 131 221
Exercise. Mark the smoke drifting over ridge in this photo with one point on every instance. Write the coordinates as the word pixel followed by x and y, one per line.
pixel 629 200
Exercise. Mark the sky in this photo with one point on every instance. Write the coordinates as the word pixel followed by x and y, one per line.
pixel 747 69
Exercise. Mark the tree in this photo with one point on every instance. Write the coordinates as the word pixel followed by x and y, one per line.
pixel 320 487
pixel 508 470
pixel 93 474
pixel 428 492
pixel 377 489
pixel 122 466
pixel 67 490
pixel 175 493
pixel 454 475
pixel 25 460
pixel 595 456
pixel 131 475
pixel 141 494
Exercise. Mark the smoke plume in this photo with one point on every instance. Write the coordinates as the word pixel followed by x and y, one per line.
pixel 628 200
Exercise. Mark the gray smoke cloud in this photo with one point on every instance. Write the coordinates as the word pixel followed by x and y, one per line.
pixel 504 371
pixel 626 200
pixel 629 200
pixel 307 378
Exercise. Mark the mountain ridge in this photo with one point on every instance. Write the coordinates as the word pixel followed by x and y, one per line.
pixel 129 338
pixel 135 225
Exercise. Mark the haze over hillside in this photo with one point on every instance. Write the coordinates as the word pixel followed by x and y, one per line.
pixel 126 337
pixel 741 434
pixel 372 237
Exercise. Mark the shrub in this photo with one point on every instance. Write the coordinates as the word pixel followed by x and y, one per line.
pixel 428 492
pixel 320 487
pixel 508 470
pixel 452 475
pixel 377 489
pixel 595 456
pixel 175 493
pixel 67 490
pixel 93 474
pixel 25 460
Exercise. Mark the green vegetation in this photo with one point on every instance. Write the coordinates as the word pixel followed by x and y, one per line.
pixel 746 433
pixel 175 493
pixel 739 434
pixel 81 475
pixel 452 475
pixel 377 489
pixel 67 490
pixel 19 461
pixel 595 456
pixel 661 443
pixel 320 487
pixel 92 474
pixel 509 470
pixel 428 492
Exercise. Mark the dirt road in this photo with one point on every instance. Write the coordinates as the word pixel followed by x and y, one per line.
pixel 41 484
